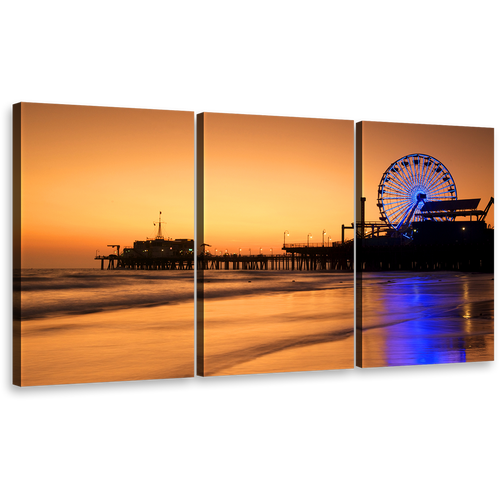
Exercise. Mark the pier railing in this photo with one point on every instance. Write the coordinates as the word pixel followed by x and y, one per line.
pixel 313 245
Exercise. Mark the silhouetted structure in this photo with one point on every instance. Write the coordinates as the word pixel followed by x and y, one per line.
pixel 155 253
pixel 437 242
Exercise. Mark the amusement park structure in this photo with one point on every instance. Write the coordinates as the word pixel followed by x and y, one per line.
pixel 415 193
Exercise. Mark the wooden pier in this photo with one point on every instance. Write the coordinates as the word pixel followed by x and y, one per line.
pixel 296 258
pixel 480 256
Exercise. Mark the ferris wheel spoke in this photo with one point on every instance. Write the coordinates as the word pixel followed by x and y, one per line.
pixel 394 186
pixel 408 177
pixel 416 168
pixel 395 193
pixel 445 178
pixel 391 199
pixel 394 178
pixel 432 183
pixel 403 184
pixel 427 176
pixel 403 180
pixel 405 215
pixel 395 212
pixel 396 202
pixel 393 202
pixel 430 170
pixel 445 192
pixel 424 169
pixel 431 176
pixel 398 187
pixel 402 207
pixel 440 183
pixel 421 168
pixel 438 180
pixel 396 197
pixel 398 213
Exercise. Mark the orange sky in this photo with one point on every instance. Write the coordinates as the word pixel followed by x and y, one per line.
pixel 265 175
pixel 93 176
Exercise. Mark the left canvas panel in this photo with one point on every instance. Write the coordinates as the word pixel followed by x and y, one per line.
pixel 103 244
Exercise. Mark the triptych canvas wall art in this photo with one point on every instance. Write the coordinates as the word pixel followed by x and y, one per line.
pixel 105 254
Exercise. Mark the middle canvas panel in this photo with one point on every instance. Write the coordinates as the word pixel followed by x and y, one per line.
pixel 274 241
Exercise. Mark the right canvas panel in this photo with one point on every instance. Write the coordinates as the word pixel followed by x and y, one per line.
pixel 424 244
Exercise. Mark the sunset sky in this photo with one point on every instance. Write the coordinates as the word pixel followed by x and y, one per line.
pixel 92 176
pixel 265 175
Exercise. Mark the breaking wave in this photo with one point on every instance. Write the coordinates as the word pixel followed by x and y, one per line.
pixel 42 293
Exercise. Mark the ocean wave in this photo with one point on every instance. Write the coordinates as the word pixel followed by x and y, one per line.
pixel 62 296
pixel 243 283
pixel 229 359
pixel 35 284
pixel 47 293
pixel 29 311
pixel 103 280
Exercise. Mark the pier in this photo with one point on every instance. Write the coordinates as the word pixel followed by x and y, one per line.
pixel 299 258
pixel 374 254
pixel 438 241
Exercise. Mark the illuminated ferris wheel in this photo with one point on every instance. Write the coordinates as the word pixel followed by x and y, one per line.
pixel 410 182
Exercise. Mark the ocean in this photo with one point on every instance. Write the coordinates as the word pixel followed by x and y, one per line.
pixel 88 325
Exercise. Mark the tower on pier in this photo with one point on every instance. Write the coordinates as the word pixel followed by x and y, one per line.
pixel 159 235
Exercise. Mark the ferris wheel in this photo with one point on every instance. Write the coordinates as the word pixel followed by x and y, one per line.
pixel 410 182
